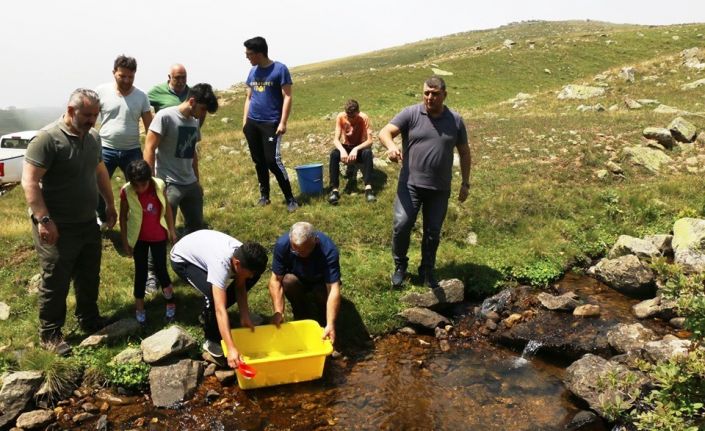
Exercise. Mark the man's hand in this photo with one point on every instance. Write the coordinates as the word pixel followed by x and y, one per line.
pixel 344 156
pixel 245 322
pixel 234 358
pixel 48 233
pixel 278 319
pixel 463 194
pixel 394 155
pixel 110 216
pixel 281 128
pixel 329 332
pixel 173 237
pixel 128 249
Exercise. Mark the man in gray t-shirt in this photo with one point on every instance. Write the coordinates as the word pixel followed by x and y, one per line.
pixel 430 132
pixel 170 149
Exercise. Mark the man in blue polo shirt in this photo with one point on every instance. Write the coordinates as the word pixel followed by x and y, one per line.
pixel 305 264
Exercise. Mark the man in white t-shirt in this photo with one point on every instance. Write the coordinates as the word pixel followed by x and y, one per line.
pixel 122 105
pixel 223 269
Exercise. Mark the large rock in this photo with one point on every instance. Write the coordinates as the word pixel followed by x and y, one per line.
pixel 641 248
pixel 663 243
pixel 166 343
pixel 693 85
pixel 16 394
pixel 626 274
pixel 566 302
pixel 112 332
pixel 4 311
pixel 627 73
pixel 448 292
pixel 649 158
pixel 496 303
pixel 595 380
pixel 174 383
pixel 573 91
pixel 624 338
pixel 683 130
pixel 665 109
pixel 655 307
pixel 130 355
pixel 424 317
pixel 669 347
pixel 35 419
pixel 661 135
pixel 689 243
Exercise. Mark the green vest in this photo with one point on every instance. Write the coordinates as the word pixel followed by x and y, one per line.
pixel 134 214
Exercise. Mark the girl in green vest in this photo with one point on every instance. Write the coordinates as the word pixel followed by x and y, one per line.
pixel 146 222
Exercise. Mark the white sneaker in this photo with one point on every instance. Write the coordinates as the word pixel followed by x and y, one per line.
pixel 213 348
pixel 151 285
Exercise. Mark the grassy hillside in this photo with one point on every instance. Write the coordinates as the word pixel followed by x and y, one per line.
pixel 536 203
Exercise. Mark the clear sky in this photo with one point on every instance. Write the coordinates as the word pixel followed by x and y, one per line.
pixel 51 47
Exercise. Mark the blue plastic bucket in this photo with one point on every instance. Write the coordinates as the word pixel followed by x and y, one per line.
pixel 310 178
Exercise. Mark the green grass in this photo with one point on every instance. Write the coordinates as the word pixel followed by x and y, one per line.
pixel 536 204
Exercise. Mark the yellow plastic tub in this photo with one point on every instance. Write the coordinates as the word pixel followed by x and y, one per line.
pixel 293 353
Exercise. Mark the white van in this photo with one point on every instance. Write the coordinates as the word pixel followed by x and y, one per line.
pixel 12 149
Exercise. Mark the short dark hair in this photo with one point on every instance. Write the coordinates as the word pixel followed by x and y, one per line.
pixel 253 256
pixel 257 44
pixel 351 106
pixel 203 93
pixel 436 82
pixel 138 171
pixel 128 63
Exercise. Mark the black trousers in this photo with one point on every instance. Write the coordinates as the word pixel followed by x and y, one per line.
pixel 364 158
pixel 140 254
pixel 265 150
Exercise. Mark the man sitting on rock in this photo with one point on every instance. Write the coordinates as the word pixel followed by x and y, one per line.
pixel 305 264
pixel 207 260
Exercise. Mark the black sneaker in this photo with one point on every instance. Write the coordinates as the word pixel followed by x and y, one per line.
pixel 263 201
pixel 95 325
pixel 370 195
pixel 398 276
pixel 428 278
pixel 292 205
pixel 334 197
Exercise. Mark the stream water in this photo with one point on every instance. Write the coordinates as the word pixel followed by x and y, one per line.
pixel 405 383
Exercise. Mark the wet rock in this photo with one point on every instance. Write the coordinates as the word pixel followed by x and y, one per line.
pixel 565 302
pixel 112 332
pixel 584 420
pixel 626 274
pixel 624 338
pixel 512 320
pixel 641 248
pixel 4 311
pixel 174 383
pixel 82 417
pixel 424 317
pixel 210 370
pixel 448 292
pixel 35 419
pixel 408 330
pixel 16 394
pixel 677 322
pixel 689 244
pixel 130 355
pixel 682 130
pixel 496 303
pixel 440 333
pixel 90 408
pixel 491 325
pixel 225 377
pixel 112 399
pixel 655 307
pixel 212 395
pixel 444 345
pixel 493 316
pixel 662 242
pixel 102 423
pixel 661 135
pixel 668 348
pixel 649 158
pixel 573 91
pixel 587 310
pixel 595 379
pixel 166 343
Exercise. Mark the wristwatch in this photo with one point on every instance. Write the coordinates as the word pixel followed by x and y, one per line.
pixel 43 220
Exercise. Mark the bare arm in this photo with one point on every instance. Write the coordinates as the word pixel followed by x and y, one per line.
pixel 338 142
pixel 147 119
pixel 286 109
pixel 386 137
pixel 151 143
pixel 246 110
pixel 106 190
pixel 31 175
pixel 276 291
pixel 332 308
pixel 465 163
pixel 169 220
pixel 220 300
pixel 194 164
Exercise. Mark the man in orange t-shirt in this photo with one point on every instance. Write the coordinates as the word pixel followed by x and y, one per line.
pixel 353 145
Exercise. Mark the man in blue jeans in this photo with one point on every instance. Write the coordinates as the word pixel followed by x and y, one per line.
pixel 430 132
pixel 122 105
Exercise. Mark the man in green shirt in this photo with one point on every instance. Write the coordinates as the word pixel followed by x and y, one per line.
pixel 62 175
pixel 172 92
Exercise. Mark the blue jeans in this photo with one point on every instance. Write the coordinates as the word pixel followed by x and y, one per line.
pixel 409 201
pixel 114 159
